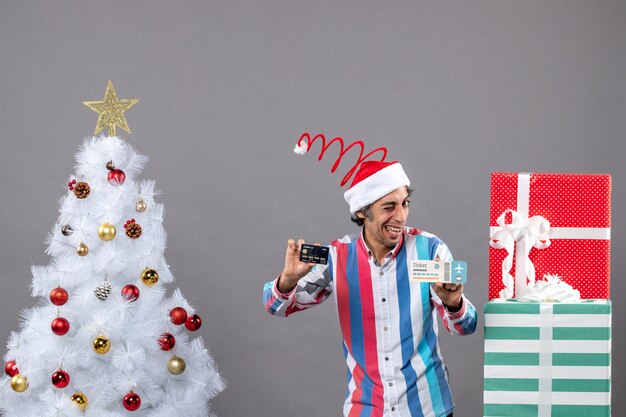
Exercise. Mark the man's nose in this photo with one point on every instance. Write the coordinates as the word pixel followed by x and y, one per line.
pixel 400 214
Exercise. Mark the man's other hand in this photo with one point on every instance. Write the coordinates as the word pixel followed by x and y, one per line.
pixel 294 269
pixel 450 295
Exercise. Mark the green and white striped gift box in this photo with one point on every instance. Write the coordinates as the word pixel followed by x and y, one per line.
pixel 547 359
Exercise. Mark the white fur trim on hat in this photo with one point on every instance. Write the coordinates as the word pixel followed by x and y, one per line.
pixel 377 185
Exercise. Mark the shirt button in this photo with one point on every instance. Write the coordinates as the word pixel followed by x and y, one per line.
pixel 393 408
pixel 384 299
pixel 381 273
pixel 391 384
pixel 385 328
pixel 386 358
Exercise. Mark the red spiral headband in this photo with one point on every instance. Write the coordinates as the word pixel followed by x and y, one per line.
pixel 301 149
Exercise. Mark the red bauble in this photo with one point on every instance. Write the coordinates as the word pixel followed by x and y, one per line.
pixel 11 369
pixel 60 326
pixel 60 378
pixel 193 323
pixel 178 315
pixel 131 401
pixel 167 341
pixel 116 177
pixel 58 296
pixel 130 292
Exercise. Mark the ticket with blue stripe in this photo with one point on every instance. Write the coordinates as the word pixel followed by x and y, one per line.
pixel 454 272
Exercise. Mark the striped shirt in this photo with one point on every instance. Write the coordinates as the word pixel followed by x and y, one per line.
pixel 388 323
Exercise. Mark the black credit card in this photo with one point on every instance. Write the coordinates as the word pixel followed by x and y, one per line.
pixel 314 254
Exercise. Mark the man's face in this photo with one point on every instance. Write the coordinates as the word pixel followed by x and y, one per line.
pixel 387 218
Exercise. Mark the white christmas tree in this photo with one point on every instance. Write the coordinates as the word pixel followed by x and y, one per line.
pixel 105 340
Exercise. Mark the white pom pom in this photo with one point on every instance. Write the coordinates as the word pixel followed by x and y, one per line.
pixel 300 149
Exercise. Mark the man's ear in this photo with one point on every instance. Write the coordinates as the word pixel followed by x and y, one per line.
pixel 360 215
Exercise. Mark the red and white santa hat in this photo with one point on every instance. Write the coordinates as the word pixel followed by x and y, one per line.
pixel 373 179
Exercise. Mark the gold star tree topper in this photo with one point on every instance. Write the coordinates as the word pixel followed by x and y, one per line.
pixel 111 110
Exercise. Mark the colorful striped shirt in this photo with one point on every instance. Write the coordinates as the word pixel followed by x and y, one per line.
pixel 388 323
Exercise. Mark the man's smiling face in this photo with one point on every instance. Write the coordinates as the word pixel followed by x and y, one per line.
pixel 385 220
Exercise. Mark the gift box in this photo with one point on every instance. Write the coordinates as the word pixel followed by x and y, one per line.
pixel 547 359
pixel 550 224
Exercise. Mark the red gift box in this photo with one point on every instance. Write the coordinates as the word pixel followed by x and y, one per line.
pixel 550 224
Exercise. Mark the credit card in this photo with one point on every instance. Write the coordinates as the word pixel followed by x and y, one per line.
pixel 454 272
pixel 314 254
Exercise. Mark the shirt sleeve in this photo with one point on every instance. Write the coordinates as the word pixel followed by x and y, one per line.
pixel 462 322
pixel 311 290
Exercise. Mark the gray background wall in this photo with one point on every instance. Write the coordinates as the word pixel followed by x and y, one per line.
pixel 455 89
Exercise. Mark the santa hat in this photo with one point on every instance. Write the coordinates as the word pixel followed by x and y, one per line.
pixel 373 180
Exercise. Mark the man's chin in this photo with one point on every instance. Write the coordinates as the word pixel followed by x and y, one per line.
pixel 391 243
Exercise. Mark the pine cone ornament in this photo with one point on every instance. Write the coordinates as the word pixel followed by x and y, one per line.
pixel 133 230
pixel 103 290
pixel 81 190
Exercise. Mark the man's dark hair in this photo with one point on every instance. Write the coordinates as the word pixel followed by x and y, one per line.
pixel 367 212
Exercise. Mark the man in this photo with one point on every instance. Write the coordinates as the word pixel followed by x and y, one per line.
pixel 387 320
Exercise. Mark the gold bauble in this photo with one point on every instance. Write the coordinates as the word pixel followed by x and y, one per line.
pixel 101 345
pixel 82 250
pixel 176 365
pixel 106 231
pixel 80 400
pixel 141 206
pixel 149 277
pixel 19 383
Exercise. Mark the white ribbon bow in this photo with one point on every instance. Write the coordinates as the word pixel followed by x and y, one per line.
pixel 550 289
pixel 527 233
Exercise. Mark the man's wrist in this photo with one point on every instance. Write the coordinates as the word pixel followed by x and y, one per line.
pixel 285 287
pixel 454 309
